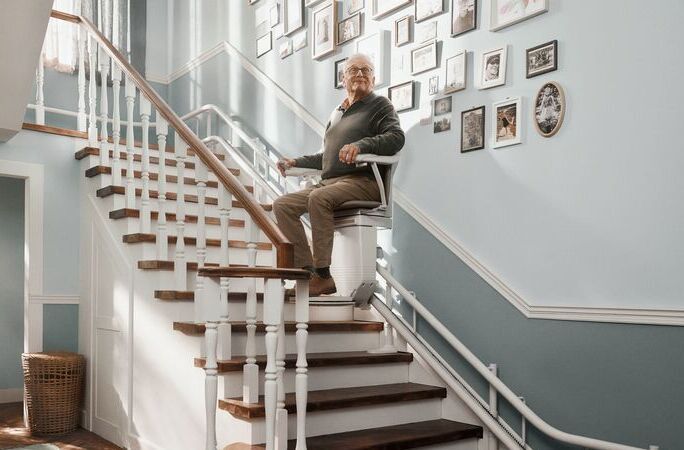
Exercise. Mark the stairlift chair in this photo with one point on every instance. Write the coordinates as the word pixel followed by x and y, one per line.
pixel 354 251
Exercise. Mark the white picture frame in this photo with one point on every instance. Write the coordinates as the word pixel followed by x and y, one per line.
pixel 506 120
pixel 426 9
pixel 353 6
pixel 455 77
pixel 487 61
pixel 382 8
pixel 264 45
pixel 285 49
pixel 504 13
pixel 424 58
pixel 324 30
pixel 375 46
pixel 293 16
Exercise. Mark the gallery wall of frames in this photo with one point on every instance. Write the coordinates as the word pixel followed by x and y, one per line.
pixel 403 39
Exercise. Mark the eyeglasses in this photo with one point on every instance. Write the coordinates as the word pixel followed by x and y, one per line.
pixel 354 70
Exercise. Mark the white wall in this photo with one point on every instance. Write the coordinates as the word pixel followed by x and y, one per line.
pixel 156 55
pixel 587 218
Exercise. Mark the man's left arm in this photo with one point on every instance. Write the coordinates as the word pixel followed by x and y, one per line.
pixel 389 137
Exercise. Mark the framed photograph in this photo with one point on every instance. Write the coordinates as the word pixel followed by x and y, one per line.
pixel 455 73
pixel 339 73
pixel 275 14
pixel 473 129
pixel 463 16
pixel 505 13
pixel 285 49
pixel 549 109
pixel 426 32
pixel 433 85
pixel 506 122
pixel 349 29
pixel 383 7
pixel 541 59
pixel 493 68
pixel 262 20
pixel 323 35
pixel 374 46
pixel 424 58
pixel 299 41
pixel 428 8
pixel 402 31
pixel 293 15
pixel 263 44
pixel 442 115
pixel 442 106
pixel 401 96
pixel 353 6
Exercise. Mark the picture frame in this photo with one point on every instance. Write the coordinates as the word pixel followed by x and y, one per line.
pixel 375 46
pixel 541 59
pixel 473 129
pixel 402 31
pixel 504 13
pixel 339 73
pixel 299 41
pixel 262 20
pixel 493 67
pixel 293 16
pixel 426 32
pixel 433 85
pixel 455 78
pixel 274 13
pixel 402 96
pixel 263 45
pixel 548 110
pixel 381 8
pixel 463 16
pixel 285 49
pixel 507 124
pixel 349 28
pixel 441 111
pixel 324 23
pixel 424 58
pixel 426 9
pixel 353 6
pixel 311 3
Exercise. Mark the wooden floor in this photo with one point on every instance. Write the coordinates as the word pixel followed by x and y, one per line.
pixel 13 434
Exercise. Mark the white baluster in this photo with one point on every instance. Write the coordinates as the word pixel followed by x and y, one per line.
pixel 145 213
pixel 493 407
pixel 281 412
pixel 250 378
pixel 162 231
pixel 92 93
pixel 130 144
pixel 210 382
pixel 273 311
pixel 201 176
pixel 180 266
pixel 82 118
pixel 225 204
pixel 40 93
pixel 104 109
pixel 116 126
pixel 302 377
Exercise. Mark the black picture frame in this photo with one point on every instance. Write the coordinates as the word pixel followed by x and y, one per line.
pixel 453 12
pixel 340 27
pixel 553 67
pixel 483 116
pixel 413 94
pixel 339 67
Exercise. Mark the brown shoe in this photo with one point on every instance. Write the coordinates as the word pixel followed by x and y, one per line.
pixel 321 286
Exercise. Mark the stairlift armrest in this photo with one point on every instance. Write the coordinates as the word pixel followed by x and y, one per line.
pixel 371 158
pixel 302 172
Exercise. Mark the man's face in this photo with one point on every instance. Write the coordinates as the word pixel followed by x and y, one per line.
pixel 358 77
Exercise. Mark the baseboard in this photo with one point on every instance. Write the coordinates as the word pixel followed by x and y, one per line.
pixel 11 395
pixel 135 442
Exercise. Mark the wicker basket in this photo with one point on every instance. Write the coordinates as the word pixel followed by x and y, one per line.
pixel 53 386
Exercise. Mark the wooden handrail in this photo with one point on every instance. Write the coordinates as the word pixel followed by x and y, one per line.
pixel 285 255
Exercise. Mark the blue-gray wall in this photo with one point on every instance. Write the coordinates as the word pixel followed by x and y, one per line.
pixel 11 281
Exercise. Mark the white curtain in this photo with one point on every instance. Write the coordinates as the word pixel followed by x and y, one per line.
pixel 60 50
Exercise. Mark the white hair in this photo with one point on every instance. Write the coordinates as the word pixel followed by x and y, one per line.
pixel 356 56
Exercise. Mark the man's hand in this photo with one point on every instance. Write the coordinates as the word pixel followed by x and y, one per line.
pixel 348 153
pixel 285 164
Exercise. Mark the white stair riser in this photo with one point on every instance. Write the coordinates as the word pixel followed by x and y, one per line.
pixel 336 377
pixel 131 225
pixel 148 250
pixel 104 180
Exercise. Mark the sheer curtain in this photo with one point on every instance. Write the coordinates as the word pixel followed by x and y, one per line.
pixel 60 50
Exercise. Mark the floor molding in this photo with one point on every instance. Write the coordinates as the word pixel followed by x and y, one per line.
pixel 11 395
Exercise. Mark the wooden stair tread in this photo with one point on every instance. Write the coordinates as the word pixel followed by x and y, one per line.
pixel 93 151
pixel 170 295
pixel 54 130
pixel 124 213
pixel 328 399
pixel 395 437
pixel 197 329
pixel 160 264
pixel 171 196
pixel 255 272
pixel 154 176
pixel 136 238
pixel 328 359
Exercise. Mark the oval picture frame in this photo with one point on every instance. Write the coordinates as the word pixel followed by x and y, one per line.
pixel 542 112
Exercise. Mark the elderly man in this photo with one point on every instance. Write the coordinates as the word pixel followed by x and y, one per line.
pixel 363 123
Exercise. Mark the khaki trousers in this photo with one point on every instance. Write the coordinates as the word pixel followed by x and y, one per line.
pixel 320 202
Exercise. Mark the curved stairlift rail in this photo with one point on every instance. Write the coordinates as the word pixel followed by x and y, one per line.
pixel 502 433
